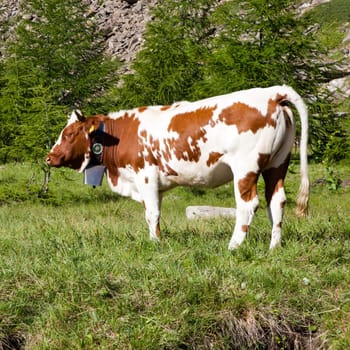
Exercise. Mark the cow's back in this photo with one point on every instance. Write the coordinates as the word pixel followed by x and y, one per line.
pixel 198 143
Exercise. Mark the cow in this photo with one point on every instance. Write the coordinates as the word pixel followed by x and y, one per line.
pixel 237 136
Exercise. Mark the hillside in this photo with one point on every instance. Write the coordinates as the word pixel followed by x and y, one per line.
pixel 123 23
pixel 334 18
pixel 78 270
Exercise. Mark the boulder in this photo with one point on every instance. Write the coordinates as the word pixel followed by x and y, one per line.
pixel 205 211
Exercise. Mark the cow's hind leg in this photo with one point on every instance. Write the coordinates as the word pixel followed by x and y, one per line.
pixel 246 205
pixel 276 199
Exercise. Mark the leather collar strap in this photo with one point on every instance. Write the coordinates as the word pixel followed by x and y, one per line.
pixel 97 143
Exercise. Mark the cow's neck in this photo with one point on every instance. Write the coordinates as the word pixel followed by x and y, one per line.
pixel 122 145
pixel 110 154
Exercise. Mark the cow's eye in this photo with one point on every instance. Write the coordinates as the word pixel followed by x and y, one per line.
pixel 68 136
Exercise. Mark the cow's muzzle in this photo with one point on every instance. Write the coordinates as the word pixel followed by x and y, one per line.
pixel 53 161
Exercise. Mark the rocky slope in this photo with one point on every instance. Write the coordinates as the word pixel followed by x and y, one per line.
pixel 123 23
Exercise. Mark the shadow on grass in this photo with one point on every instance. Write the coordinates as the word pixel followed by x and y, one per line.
pixel 12 340
pixel 258 329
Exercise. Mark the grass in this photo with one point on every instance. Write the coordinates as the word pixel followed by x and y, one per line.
pixel 333 18
pixel 334 11
pixel 77 270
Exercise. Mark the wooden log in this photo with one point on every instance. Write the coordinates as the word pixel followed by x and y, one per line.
pixel 206 211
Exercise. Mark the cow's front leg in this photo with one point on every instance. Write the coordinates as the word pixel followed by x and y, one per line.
pixel 147 184
pixel 152 214
pixel 246 205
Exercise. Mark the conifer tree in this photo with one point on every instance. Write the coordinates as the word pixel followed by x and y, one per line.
pixel 54 63
pixel 61 41
pixel 203 48
pixel 267 42
pixel 169 63
pixel 27 115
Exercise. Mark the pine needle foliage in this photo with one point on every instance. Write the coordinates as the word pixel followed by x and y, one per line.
pixel 170 63
pixel 204 48
pixel 54 63
pixel 67 47
pixel 28 117
pixel 263 43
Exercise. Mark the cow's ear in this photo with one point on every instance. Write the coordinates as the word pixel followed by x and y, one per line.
pixel 94 126
pixel 80 115
pixel 76 115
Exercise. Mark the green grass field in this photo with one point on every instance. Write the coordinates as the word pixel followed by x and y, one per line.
pixel 77 270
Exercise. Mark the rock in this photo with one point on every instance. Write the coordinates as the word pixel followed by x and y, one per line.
pixel 306 281
pixel 340 88
pixel 309 5
pixel 131 2
pixel 123 24
pixel 197 212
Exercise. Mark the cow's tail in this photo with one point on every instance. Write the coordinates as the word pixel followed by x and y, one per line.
pixel 303 196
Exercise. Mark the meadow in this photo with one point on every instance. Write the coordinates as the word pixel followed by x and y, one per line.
pixel 77 269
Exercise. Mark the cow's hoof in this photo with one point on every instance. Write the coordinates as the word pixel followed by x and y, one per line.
pixel 233 245
pixel 274 246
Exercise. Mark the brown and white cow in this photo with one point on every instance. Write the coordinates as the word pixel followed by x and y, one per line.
pixel 237 136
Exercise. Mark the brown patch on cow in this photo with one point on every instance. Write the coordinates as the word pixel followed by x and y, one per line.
pixel 165 108
pixel 274 179
pixel 149 156
pixel 199 118
pixel 263 160
pixel 190 129
pixel 143 134
pixel 279 225
pixel 166 153
pixel 213 158
pixel 247 186
pixel 151 148
pixel 146 180
pixel 245 228
pixel 158 230
pixel 280 99
pixel 113 176
pixel 168 170
pixel 154 156
pixel 248 118
pixel 122 145
pixel 142 109
pixel 131 150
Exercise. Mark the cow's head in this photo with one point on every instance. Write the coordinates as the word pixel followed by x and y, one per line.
pixel 73 147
